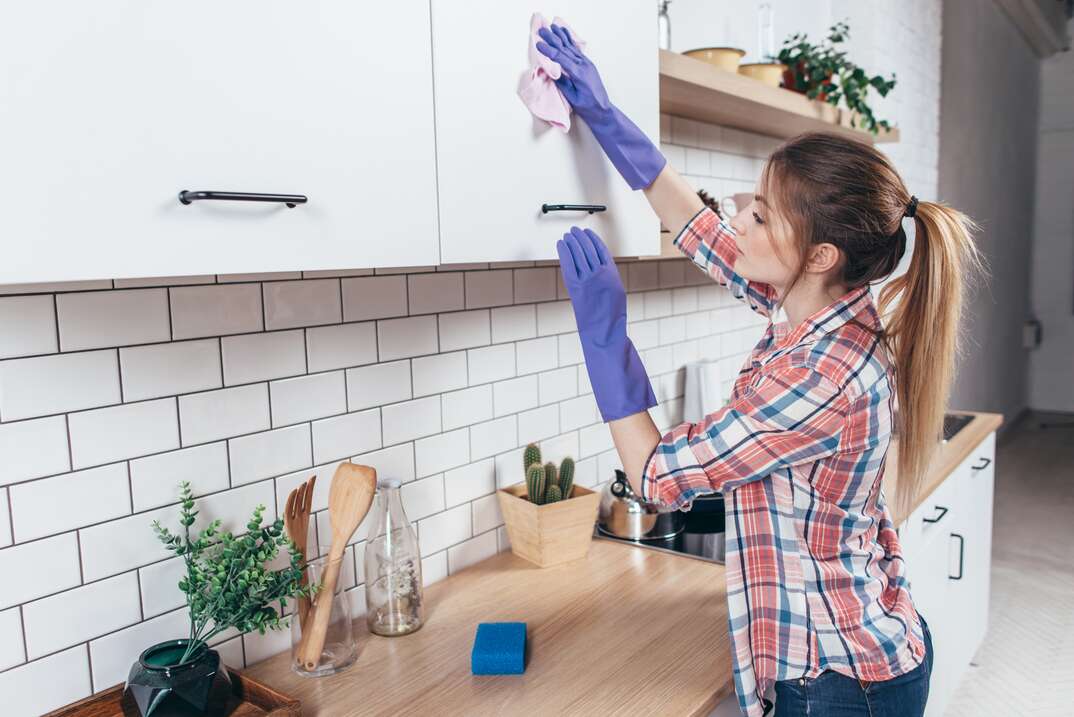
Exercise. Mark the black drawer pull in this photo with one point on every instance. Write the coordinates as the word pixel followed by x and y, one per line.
pixel 961 555
pixel 987 462
pixel 590 208
pixel 292 200
pixel 939 516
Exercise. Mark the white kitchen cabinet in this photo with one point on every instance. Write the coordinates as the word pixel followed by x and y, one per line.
pixel 497 165
pixel 109 109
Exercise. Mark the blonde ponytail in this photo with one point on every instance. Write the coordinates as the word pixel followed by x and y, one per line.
pixel 921 311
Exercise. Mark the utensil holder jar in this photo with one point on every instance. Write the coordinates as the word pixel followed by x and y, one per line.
pixel 340 649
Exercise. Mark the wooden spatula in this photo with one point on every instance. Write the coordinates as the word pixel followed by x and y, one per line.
pixel 296 520
pixel 349 498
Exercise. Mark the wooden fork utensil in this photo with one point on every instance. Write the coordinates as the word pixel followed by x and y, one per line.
pixel 296 520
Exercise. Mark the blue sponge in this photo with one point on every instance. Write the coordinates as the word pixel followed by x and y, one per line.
pixel 499 649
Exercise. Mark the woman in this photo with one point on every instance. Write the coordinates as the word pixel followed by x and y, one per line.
pixel 818 601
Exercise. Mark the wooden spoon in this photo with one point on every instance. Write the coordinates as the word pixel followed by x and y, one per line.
pixel 349 499
pixel 296 519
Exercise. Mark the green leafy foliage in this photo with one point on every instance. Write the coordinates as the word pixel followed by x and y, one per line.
pixel 228 582
pixel 825 69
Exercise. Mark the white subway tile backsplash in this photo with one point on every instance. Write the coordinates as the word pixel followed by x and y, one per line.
pixel 514 395
pixel 346 435
pixel 262 357
pixel 215 310
pixel 489 288
pixel 570 349
pixel 213 415
pixel 342 346
pixel 491 363
pixel 432 293
pixel 537 424
pixel 113 655
pixel 462 408
pixel 378 384
pixel 439 373
pixel 155 479
pixel 27 326
pixel 472 551
pixel 411 419
pixel 32 449
pixel 555 317
pixel 75 616
pixel 11 646
pixel 402 338
pixel 44 385
pixel 469 482
pixel 684 300
pixel 97 319
pixel 264 455
pixel 486 514
pixel 657 304
pixel 54 505
pixel 492 437
pixel 394 462
pixel 537 284
pixel 128 543
pixel 169 369
pixel 537 355
pixel 513 323
pixel 684 131
pixel 374 297
pixel 697 161
pixel 290 304
pixel 440 452
pixel 5 520
pixel 557 385
pixel 422 498
pixel 464 329
pixel 32 689
pixel 120 432
pixel 509 468
pixel 307 398
pixel 594 439
pixel 434 568
pixel 443 530
pixel 160 586
pixel 59 553
pixel 672 329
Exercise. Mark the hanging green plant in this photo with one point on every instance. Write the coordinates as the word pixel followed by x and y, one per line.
pixel 823 72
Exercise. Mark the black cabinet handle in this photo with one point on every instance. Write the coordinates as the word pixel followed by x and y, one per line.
pixel 292 200
pixel 939 516
pixel 961 554
pixel 987 462
pixel 590 208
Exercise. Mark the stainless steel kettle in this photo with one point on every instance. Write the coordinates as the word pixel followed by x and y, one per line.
pixel 624 514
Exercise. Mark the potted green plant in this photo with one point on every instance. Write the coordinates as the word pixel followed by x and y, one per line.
pixel 228 584
pixel 824 73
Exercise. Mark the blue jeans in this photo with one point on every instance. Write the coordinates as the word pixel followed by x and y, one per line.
pixel 832 694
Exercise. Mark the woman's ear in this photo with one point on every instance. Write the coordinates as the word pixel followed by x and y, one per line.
pixel 822 258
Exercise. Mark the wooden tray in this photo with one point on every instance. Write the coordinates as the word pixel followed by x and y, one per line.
pixel 251 699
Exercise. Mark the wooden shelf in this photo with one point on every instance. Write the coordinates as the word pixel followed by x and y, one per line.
pixel 697 90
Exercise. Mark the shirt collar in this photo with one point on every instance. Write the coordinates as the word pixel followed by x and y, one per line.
pixel 850 305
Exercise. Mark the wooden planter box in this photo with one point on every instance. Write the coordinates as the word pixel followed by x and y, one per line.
pixel 553 533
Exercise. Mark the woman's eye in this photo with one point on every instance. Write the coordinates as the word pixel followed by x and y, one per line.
pixel 759 220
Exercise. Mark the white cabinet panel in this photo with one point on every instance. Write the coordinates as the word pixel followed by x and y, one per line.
pixel 109 109
pixel 497 164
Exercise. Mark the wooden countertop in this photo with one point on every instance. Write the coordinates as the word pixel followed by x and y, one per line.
pixel 625 631
pixel 946 459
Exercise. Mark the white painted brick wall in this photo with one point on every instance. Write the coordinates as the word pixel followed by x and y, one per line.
pixel 112 392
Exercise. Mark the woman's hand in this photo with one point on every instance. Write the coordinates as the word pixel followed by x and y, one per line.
pixel 620 383
pixel 580 82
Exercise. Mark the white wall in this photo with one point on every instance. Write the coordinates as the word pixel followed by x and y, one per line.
pixel 1051 366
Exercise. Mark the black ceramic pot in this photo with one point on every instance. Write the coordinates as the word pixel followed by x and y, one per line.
pixel 158 687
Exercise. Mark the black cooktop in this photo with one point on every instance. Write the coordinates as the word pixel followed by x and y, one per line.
pixel 702 546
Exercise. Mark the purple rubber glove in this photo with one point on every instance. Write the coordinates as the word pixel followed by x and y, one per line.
pixel 620 383
pixel 630 151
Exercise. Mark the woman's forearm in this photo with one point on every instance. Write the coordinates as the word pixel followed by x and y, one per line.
pixel 635 437
pixel 673 199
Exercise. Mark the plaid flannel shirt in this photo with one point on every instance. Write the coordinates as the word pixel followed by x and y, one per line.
pixel 815 576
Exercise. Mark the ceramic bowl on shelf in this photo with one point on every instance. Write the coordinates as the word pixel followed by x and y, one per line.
pixel 726 58
pixel 770 73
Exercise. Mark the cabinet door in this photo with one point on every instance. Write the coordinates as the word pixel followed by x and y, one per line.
pixel 497 164
pixel 980 488
pixel 109 109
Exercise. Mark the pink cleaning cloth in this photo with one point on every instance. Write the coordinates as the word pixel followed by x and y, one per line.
pixel 537 87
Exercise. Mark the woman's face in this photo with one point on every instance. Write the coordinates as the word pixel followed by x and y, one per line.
pixel 765 253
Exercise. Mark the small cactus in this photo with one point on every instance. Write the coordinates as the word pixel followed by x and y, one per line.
pixel 550 475
pixel 554 494
pixel 566 477
pixel 535 484
pixel 531 455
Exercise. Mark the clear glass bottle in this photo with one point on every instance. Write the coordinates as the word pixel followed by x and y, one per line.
pixel 394 596
pixel 766 39
pixel 663 23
